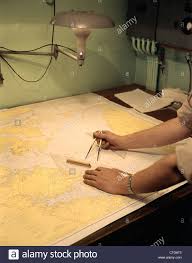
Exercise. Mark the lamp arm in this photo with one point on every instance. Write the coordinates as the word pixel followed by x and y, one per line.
pixel 68 54
pixel 55 51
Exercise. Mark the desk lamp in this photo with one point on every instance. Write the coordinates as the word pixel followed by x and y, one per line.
pixel 81 22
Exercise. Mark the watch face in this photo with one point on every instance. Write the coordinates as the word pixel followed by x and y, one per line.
pixel 186 25
pixel 189 26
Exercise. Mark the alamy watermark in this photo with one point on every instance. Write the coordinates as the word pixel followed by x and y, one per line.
pixel 159 242
pixel 153 99
pixel 121 28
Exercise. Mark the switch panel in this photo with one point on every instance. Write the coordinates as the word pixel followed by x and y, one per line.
pixel 175 24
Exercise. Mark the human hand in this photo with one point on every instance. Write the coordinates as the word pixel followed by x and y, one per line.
pixel 107 180
pixel 110 141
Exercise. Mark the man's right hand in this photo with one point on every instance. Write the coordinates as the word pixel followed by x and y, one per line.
pixel 110 141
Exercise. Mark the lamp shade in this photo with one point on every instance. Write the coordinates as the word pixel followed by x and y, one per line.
pixel 82 20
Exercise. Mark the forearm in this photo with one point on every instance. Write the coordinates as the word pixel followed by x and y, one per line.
pixel 166 133
pixel 159 176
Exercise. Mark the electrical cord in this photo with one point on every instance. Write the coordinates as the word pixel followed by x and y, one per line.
pixel 31 50
pixel 47 45
pixel 54 13
pixel 49 64
pixel 157 20
pixel 22 78
pixel 18 75
pixel 31 81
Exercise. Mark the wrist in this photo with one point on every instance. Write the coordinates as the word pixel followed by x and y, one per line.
pixel 127 184
pixel 127 141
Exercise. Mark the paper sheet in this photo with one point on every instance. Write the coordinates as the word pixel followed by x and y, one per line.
pixel 177 95
pixel 144 102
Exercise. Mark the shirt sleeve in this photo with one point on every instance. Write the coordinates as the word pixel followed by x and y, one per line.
pixel 184 160
pixel 185 113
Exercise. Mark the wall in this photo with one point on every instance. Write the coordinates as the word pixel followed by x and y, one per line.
pixel 24 24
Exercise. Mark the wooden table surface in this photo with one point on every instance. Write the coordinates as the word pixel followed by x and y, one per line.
pixel 163 202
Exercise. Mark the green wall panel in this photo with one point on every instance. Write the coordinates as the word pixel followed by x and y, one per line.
pixel 25 25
